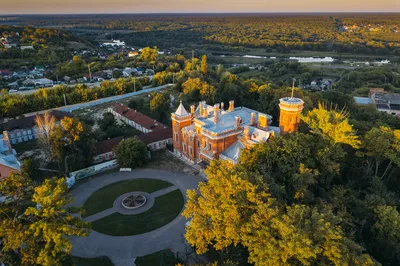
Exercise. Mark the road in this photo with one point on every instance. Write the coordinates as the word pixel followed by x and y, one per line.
pixel 73 107
pixel 89 84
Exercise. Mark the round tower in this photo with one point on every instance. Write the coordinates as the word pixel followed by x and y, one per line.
pixel 290 110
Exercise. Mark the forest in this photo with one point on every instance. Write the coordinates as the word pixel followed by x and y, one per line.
pixel 354 33
pixel 326 195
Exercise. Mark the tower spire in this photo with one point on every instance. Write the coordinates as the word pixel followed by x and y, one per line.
pixel 293 87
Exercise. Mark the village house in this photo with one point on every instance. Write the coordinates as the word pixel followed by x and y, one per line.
pixel 157 140
pixel 133 54
pixel 8 162
pixel 105 149
pixel 38 83
pixel 24 128
pixel 211 132
pixel 135 119
pixel 383 101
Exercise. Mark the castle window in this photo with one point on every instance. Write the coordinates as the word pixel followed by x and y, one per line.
pixel 190 150
pixel 176 136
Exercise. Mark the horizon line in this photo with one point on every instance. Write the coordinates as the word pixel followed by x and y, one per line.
pixel 210 13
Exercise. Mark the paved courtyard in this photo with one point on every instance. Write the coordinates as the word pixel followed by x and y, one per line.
pixel 122 250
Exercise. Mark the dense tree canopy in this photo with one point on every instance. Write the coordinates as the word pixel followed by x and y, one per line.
pixel 131 153
pixel 35 223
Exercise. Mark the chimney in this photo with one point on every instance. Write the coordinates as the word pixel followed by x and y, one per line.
pixel 253 119
pixel 246 133
pixel 222 106
pixel 205 111
pixel 192 109
pixel 237 121
pixel 231 106
pixel 7 139
pixel 262 121
pixel 201 108
pixel 216 113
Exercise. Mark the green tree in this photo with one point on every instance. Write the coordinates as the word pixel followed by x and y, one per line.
pixel 386 234
pixel 30 168
pixel 381 148
pixel 131 153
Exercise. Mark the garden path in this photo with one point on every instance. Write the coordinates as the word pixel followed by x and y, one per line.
pixel 123 250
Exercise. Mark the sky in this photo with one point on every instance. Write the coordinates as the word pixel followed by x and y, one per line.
pixel 193 6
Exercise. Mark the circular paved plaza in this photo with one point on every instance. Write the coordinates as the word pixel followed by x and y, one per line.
pixel 122 250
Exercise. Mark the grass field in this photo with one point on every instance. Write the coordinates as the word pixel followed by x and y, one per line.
pixel 164 210
pixel 104 198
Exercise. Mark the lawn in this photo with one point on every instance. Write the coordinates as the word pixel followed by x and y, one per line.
pixel 164 210
pixel 100 261
pixel 164 257
pixel 104 198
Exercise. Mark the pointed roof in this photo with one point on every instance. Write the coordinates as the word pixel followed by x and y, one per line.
pixel 181 111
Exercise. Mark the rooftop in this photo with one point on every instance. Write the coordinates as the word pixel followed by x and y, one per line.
pixel 233 152
pixel 362 100
pixel 291 100
pixel 29 121
pixel 7 156
pixel 181 111
pixel 155 136
pixel 138 117
pixel 108 145
pixel 227 120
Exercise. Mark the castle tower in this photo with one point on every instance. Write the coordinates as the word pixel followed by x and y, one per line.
pixel 290 110
pixel 180 119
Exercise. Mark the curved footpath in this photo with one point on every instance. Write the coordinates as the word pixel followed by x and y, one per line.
pixel 123 250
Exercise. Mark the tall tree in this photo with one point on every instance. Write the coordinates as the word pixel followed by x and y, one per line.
pixel 331 125
pixel 160 104
pixel 230 210
pixel 381 149
pixel 45 125
pixel 35 221
pixel 204 66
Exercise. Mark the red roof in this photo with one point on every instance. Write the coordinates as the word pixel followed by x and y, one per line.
pixel 155 136
pixel 138 117
pixel 108 145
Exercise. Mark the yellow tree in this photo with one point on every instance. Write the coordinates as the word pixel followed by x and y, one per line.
pixel 40 224
pixel 204 66
pixel 230 210
pixel 149 54
pixel 331 125
pixel 73 127
pixel 300 235
pixel 45 125
pixel 218 212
